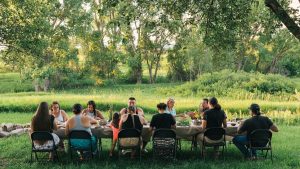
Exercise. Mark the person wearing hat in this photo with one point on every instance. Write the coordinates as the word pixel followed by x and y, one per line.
pixel 255 122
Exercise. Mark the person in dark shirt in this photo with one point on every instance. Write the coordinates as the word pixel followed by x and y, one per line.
pixel 162 119
pixel 255 122
pixel 215 116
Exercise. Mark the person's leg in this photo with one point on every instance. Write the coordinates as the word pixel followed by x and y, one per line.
pixel 144 146
pixel 240 142
pixel 113 145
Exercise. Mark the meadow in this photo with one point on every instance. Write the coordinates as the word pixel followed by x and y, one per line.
pixel 17 105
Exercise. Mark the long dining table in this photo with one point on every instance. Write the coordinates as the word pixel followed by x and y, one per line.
pixel 182 132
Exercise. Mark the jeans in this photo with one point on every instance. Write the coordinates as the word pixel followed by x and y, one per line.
pixel 241 143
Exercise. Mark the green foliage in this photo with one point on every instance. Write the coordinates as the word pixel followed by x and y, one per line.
pixel 227 83
pixel 11 82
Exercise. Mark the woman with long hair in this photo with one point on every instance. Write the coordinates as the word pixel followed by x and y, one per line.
pixel 91 111
pixel 43 121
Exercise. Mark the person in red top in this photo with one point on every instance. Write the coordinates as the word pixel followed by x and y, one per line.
pixel 115 128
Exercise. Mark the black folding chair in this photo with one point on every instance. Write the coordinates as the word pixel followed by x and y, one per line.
pixel 217 137
pixel 43 136
pixel 164 144
pixel 83 135
pixel 133 134
pixel 260 139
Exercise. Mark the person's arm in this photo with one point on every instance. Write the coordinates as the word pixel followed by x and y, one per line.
pixel 242 127
pixel 141 112
pixel 121 122
pixel 274 128
pixel 142 120
pixel 67 127
pixel 99 114
pixel 204 122
pixel 65 116
pixel 224 123
pixel 91 120
pixel 84 112
pixel 225 120
pixel 173 123
pixel 122 111
pixel 54 125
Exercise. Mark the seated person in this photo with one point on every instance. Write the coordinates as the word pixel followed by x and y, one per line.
pixel 162 119
pixel 92 112
pixel 79 122
pixel 170 107
pixel 214 117
pixel 128 121
pixel 115 128
pixel 255 122
pixel 43 121
pixel 60 115
pixel 137 110
pixel 202 108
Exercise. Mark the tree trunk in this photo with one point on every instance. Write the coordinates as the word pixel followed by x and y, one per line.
pixel 284 17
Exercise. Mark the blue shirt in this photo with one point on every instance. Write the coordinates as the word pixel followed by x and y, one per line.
pixel 172 111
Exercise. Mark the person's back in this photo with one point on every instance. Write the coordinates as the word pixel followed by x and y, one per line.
pixel 79 122
pixel 162 120
pixel 214 117
pixel 256 122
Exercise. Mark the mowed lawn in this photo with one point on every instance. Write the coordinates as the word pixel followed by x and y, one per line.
pixel 15 153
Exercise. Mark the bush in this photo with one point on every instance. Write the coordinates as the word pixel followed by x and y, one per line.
pixel 232 84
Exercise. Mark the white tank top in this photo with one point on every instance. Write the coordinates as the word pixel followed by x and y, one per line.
pixel 60 118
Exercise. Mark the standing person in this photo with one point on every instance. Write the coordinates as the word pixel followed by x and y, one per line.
pixel 115 129
pixel 137 110
pixel 213 117
pixel 43 121
pixel 255 122
pixel 162 119
pixel 83 123
pixel 91 111
pixel 59 114
pixel 132 120
pixel 170 107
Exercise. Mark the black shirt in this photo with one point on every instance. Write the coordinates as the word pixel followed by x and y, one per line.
pixel 128 124
pixel 162 120
pixel 214 117
pixel 256 122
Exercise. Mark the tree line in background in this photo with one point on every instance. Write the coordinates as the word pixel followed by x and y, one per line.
pixel 78 42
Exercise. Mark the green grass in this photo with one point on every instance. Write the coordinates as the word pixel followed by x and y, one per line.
pixel 11 82
pixel 15 153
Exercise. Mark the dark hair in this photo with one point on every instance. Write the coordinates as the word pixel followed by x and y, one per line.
pixel 205 99
pixel 255 108
pixel 77 108
pixel 92 102
pixel 131 98
pixel 161 106
pixel 116 120
pixel 214 102
pixel 41 121
pixel 53 103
